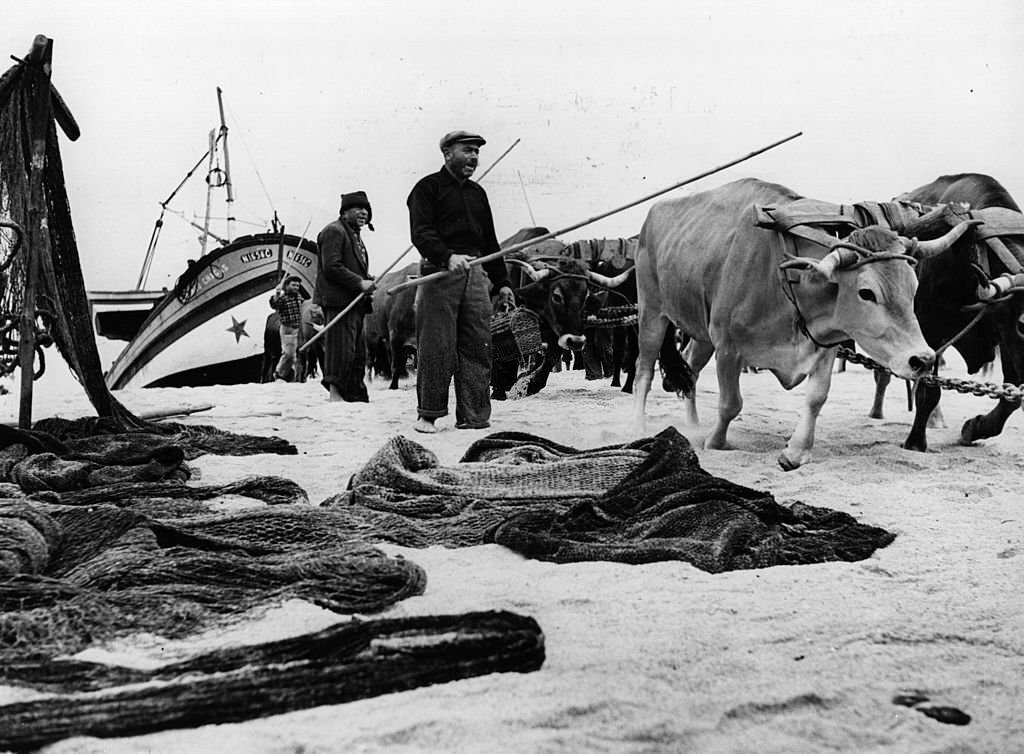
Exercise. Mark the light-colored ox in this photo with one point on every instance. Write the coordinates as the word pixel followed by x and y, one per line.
pixel 706 267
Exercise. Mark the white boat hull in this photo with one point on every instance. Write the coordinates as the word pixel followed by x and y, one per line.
pixel 209 330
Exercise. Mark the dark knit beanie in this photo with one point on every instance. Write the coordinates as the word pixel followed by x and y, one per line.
pixel 358 199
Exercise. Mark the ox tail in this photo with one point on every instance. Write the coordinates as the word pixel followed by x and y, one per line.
pixel 677 376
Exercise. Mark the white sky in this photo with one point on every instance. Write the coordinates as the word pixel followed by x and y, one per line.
pixel 611 101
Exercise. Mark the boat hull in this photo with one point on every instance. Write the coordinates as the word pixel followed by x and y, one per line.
pixel 209 329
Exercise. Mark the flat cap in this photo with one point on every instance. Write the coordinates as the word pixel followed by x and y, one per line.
pixel 455 136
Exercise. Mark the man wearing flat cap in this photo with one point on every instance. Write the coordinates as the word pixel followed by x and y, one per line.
pixel 451 224
pixel 344 274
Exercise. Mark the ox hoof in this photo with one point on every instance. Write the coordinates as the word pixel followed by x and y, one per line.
pixel 920 447
pixel 787 463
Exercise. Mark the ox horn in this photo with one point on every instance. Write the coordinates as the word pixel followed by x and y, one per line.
pixel 927 249
pixel 608 282
pixel 841 255
pixel 1000 286
pixel 530 270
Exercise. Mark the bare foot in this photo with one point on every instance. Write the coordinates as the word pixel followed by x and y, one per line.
pixel 425 425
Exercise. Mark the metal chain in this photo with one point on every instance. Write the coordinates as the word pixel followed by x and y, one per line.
pixel 613 316
pixel 1006 391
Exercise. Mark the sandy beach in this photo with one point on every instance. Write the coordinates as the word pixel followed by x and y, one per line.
pixel 663 657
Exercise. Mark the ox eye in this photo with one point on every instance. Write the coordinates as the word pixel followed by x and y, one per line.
pixel 557 297
pixel 866 294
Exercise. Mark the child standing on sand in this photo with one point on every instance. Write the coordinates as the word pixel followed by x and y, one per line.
pixel 287 299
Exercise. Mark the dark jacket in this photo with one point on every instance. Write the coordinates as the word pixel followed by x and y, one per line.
pixel 448 217
pixel 341 268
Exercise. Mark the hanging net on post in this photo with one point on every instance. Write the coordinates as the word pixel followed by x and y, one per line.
pixel 61 304
pixel 62 308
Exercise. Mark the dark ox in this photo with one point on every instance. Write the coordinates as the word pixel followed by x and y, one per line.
pixel 306 361
pixel 704 266
pixel 391 328
pixel 559 294
pixel 974 274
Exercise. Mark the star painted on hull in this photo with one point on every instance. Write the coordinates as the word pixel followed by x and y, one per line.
pixel 238 328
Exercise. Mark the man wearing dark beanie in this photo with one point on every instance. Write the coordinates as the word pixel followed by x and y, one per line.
pixel 450 222
pixel 344 273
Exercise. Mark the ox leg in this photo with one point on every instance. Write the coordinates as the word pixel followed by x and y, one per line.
pixel 798 449
pixel 882 380
pixel 926 398
pixel 650 335
pixel 629 359
pixel 991 424
pixel 988 425
pixel 503 377
pixel 551 357
pixel 397 361
pixel 730 400
pixel 697 355
pixel 618 356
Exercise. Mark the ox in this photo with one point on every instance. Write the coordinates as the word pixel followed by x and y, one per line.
pixel 308 360
pixel 559 294
pixel 391 327
pixel 704 266
pixel 952 287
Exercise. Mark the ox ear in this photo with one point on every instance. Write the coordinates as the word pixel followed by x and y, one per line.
pixel 534 295
pixel 595 302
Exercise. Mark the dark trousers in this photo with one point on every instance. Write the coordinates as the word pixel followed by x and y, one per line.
pixel 453 339
pixel 345 355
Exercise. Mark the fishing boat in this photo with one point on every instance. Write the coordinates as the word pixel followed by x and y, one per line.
pixel 208 328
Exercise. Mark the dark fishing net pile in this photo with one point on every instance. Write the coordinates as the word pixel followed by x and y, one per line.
pixel 88 564
pixel 339 664
pixel 638 502
pixel 77 575
pixel 101 537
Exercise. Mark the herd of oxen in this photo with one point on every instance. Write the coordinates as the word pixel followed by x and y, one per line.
pixel 762 278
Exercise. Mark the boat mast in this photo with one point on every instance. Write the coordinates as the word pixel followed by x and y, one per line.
pixel 209 191
pixel 227 163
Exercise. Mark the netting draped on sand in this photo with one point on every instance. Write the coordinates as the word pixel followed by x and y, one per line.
pixel 88 558
pixel 101 537
pixel 338 664
pixel 637 502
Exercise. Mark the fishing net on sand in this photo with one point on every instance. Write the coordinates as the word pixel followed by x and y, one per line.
pixel 76 575
pixel 83 571
pixel 639 502
pixel 64 317
pixel 339 664
pixel 104 539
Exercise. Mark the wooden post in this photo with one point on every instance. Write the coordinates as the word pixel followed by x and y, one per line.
pixel 38 64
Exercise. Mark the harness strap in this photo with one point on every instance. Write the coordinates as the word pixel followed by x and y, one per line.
pixel 786 247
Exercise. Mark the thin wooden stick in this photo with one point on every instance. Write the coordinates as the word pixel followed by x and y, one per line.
pixel 357 299
pixel 517 247
pixel 299 246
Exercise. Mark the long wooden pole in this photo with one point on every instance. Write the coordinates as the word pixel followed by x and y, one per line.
pixel 38 244
pixel 357 299
pixel 299 246
pixel 230 202
pixel 553 234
